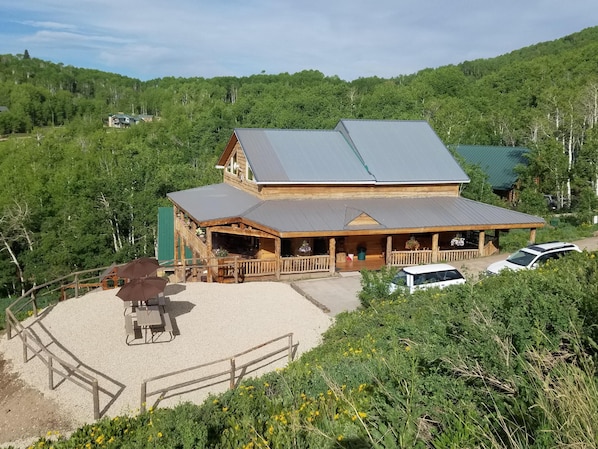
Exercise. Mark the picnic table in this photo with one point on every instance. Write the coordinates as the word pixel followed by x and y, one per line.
pixel 149 320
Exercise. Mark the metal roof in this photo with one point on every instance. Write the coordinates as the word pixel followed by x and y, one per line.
pixel 301 156
pixel 328 216
pixel 216 201
pixel 404 151
pixel 497 162
pixel 356 152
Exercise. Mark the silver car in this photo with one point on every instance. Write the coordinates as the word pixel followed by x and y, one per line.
pixel 533 255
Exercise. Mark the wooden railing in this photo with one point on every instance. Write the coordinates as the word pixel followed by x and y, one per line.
pixel 229 373
pixel 258 267
pixel 49 293
pixel 405 258
pixel 304 264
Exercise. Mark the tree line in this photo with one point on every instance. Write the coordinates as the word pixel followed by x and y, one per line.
pixel 77 194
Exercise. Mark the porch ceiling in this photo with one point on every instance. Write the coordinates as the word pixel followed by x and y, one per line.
pixel 220 201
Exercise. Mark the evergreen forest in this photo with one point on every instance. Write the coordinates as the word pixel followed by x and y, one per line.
pixel 77 194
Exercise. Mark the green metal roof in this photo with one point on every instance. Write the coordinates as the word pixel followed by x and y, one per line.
pixel 497 162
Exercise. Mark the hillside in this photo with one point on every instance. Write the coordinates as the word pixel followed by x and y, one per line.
pixel 77 194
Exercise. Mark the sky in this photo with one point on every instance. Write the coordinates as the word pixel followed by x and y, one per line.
pixel 149 39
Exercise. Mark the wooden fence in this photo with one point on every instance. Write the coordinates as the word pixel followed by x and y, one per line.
pixel 230 373
pixel 48 293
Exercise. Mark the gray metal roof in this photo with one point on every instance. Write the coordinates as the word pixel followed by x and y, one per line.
pixel 402 151
pixel 327 216
pixel 216 201
pixel 301 156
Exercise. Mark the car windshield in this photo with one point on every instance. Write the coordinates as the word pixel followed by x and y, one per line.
pixel 522 258
pixel 400 278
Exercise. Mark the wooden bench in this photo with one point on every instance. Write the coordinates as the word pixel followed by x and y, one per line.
pixel 132 329
pixel 165 327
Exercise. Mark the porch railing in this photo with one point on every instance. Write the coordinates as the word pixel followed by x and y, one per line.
pixel 257 267
pixel 405 258
pixel 454 255
pixel 237 269
pixel 304 264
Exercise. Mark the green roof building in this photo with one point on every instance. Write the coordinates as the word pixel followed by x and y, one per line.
pixel 498 163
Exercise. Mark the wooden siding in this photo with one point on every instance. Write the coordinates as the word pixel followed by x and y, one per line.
pixel 270 192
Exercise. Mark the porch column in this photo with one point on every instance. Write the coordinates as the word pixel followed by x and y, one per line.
pixel 210 259
pixel 194 263
pixel 532 235
pixel 332 254
pixel 481 243
pixel 435 250
pixel 277 246
pixel 177 240
pixel 388 249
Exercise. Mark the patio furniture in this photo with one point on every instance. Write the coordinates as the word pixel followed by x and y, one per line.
pixel 130 305
pixel 148 316
pixel 132 329
pixel 165 327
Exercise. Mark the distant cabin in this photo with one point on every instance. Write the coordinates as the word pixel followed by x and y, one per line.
pixel 121 120
pixel 499 164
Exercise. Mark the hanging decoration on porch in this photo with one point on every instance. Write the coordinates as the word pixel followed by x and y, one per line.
pixel 458 240
pixel 412 244
pixel 304 249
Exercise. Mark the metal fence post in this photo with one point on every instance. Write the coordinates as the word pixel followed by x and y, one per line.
pixel 290 347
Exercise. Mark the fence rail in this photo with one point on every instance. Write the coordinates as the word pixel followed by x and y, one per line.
pixel 455 255
pixel 404 258
pixel 304 264
pixel 51 292
pixel 231 372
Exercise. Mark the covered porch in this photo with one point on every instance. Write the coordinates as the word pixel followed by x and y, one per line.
pixel 238 252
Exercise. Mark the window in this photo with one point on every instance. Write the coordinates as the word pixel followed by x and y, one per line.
pixel 233 166
pixel 249 174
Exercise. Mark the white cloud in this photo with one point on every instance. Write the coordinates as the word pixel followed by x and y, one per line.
pixel 352 38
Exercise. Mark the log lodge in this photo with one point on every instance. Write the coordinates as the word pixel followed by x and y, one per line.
pixel 314 202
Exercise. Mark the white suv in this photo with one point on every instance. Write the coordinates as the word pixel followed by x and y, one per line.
pixel 426 276
pixel 533 255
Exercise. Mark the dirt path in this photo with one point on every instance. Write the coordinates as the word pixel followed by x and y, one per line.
pixel 25 414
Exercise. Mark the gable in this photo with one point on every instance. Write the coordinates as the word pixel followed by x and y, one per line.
pixel 362 219
pixel 402 151
pixel 497 162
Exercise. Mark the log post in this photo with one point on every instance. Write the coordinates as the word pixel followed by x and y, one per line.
pixel 481 243
pixel 435 250
pixel 332 254
pixel 532 235
pixel 209 277
pixel 277 250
